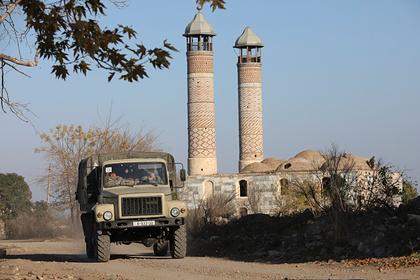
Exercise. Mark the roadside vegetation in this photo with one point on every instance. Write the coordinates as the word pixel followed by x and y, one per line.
pixel 19 217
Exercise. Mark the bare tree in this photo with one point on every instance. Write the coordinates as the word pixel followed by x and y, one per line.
pixel 382 186
pixel 66 145
pixel 330 183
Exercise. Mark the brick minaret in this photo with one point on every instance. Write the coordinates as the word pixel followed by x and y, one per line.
pixel 250 98
pixel 201 117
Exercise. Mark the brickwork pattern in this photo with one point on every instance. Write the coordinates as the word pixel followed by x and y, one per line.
pixel 199 88
pixel 202 142
pixel 200 62
pixel 250 123
pixel 249 73
pixel 250 99
pixel 201 115
pixel 250 114
pixel 252 148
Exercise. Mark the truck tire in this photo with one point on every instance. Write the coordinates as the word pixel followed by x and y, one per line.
pixel 161 247
pixel 87 224
pixel 103 248
pixel 90 248
pixel 178 243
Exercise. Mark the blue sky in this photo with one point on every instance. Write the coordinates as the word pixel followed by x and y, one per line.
pixel 346 72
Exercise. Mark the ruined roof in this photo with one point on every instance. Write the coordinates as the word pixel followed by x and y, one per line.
pixel 310 155
pixel 355 162
pixel 256 167
pixel 248 38
pixel 199 26
pixel 266 166
pixel 272 162
pixel 307 160
pixel 303 161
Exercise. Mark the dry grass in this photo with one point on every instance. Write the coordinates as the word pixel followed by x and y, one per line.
pixel 27 226
pixel 215 209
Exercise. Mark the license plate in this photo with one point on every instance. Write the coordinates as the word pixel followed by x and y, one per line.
pixel 143 223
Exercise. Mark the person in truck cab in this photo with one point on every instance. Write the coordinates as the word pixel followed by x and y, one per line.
pixel 151 177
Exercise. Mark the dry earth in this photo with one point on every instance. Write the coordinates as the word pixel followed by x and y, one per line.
pixel 65 259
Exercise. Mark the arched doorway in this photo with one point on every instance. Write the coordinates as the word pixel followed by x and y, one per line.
pixel 208 189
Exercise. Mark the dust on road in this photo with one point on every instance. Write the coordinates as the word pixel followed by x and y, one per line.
pixel 65 259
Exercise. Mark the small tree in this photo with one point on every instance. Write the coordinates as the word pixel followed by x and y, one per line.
pixel 66 145
pixel 330 183
pixel 15 196
pixel 382 187
pixel 409 192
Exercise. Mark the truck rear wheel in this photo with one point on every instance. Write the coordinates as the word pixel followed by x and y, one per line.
pixel 161 247
pixel 87 224
pixel 90 248
pixel 178 243
pixel 103 248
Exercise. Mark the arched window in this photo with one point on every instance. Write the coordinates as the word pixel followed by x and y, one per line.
pixel 243 188
pixel 284 186
pixel 208 189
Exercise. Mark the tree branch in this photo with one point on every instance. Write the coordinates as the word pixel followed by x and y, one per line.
pixel 28 63
pixel 10 9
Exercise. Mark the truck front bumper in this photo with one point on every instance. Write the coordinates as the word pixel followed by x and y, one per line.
pixel 141 223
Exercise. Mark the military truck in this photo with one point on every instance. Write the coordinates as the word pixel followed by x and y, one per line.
pixel 131 197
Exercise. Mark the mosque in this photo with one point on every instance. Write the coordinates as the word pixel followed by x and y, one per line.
pixel 270 177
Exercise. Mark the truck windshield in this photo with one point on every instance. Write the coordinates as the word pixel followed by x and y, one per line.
pixel 134 173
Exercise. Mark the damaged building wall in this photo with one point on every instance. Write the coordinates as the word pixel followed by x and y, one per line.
pixel 260 188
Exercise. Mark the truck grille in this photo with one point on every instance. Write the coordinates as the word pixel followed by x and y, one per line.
pixel 138 206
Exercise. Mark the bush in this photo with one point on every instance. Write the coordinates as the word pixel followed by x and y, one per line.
pixel 38 223
pixel 409 192
pixel 214 209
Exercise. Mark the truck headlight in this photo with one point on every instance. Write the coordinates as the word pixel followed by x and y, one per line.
pixel 107 215
pixel 174 212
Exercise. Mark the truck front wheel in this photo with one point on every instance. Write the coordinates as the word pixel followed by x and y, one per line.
pixel 178 243
pixel 160 248
pixel 103 248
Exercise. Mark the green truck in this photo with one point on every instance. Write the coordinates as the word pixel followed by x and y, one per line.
pixel 131 197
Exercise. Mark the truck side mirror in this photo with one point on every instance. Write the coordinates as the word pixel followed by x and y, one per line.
pixel 182 175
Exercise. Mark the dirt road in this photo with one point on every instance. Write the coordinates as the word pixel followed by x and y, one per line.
pixel 65 259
